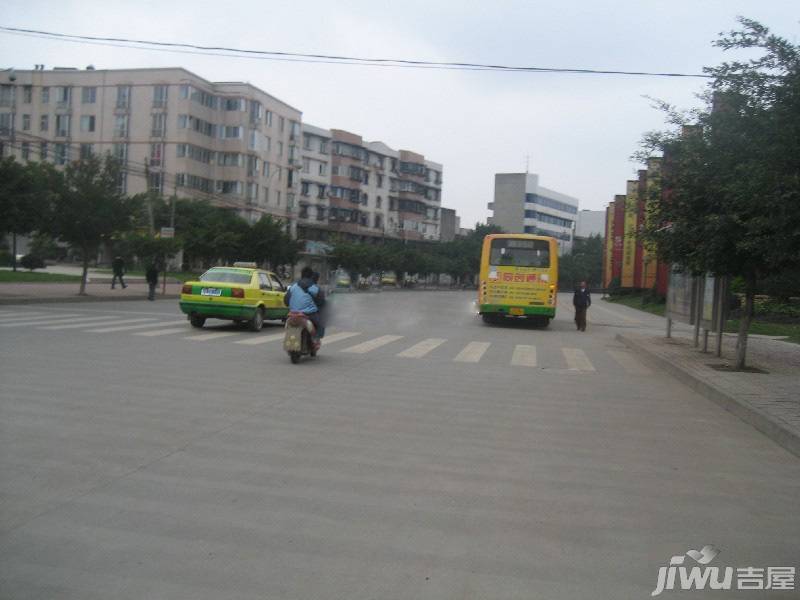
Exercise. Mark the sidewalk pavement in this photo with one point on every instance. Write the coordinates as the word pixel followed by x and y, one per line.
pixel 768 401
pixel 34 292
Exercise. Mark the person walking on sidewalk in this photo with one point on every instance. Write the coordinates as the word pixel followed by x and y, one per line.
pixel 118 266
pixel 581 301
pixel 151 275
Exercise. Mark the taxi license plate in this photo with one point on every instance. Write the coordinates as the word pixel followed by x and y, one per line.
pixel 517 311
pixel 211 292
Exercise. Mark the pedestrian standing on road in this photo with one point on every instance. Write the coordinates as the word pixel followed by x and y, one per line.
pixel 151 275
pixel 581 301
pixel 118 266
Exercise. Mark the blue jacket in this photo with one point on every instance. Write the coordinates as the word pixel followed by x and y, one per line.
pixel 301 296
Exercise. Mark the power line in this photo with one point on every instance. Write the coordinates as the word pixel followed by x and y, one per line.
pixel 327 58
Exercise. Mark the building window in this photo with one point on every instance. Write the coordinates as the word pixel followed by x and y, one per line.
pixel 27 94
pixel 87 123
pixel 323 168
pixel 265 169
pixel 268 118
pixel 6 95
pixel 120 152
pixel 266 195
pixel 160 96
pixel 380 180
pixel 304 187
pixel 88 95
pixel 6 123
pixel 378 202
pixel 62 125
pixel 277 198
pixel 281 124
pixel 63 95
pixel 233 104
pixel 87 151
pixel 231 132
pixel 45 95
pixel 320 191
pixel 123 96
pixel 156 155
pixel 121 126
pixel 122 182
pixel 323 147
pixel 280 148
pixel 155 182
pixel 61 152
pixel 306 165
pixel 229 187
pixel 43 151
pixel 26 150
pixel 26 122
pixel 306 142
pixel 159 125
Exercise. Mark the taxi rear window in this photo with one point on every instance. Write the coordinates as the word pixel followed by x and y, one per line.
pixel 226 276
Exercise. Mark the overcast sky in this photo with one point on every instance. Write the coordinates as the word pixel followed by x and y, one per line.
pixel 578 130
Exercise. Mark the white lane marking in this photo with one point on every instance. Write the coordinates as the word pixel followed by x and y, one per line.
pixel 370 345
pixel 132 327
pixel 204 337
pixel 84 323
pixel 472 352
pixel 524 356
pixel 24 316
pixel 30 319
pixel 117 322
pixel 338 337
pixel 629 362
pixel 262 339
pixel 577 359
pixel 162 332
pixel 422 348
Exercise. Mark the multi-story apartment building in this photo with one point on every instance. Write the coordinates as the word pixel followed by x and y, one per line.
pixel 176 133
pixel 365 190
pixel 521 205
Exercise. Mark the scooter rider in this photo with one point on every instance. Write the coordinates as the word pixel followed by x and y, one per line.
pixel 304 296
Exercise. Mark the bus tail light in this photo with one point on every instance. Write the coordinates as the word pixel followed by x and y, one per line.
pixel 237 292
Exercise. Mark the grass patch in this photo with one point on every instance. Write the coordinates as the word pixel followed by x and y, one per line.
pixel 655 308
pixel 34 277
pixel 791 330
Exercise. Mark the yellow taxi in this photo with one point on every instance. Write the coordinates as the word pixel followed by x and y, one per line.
pixel 241 293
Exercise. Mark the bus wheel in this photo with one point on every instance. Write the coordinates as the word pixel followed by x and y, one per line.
pixel 489 318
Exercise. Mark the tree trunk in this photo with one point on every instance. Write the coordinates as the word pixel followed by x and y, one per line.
pixel 14 252
pixel 85 273
pixel 744 322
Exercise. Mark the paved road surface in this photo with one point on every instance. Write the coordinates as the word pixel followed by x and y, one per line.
pixel 422 455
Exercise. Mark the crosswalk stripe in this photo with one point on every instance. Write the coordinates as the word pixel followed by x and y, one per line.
pixel 629 362
pixel 262 339
pixel 22 317
pixel 31 319
pixel 472 352
pixel 577 359
pixel 59 321
pixel 73 325
pixel 339 336
pixel 422 348
pixel 370 345
pixel 132 327
pixel 157 332
pixel 204 337
pixel 524 356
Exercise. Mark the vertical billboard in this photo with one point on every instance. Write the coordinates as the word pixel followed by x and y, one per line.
pixel 629 237
pixel 619 232
pixel 608 246
pixel 652 195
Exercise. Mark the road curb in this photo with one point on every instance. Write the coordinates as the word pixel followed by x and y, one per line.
pixel 770 426
pixel 76 298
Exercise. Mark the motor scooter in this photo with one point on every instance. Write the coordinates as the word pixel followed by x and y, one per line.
pixel 300 337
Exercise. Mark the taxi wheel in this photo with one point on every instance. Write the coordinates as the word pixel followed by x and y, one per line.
pixel 197 321
pixel 257 322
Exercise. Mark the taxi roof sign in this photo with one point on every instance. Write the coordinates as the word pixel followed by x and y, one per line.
pixel 245 265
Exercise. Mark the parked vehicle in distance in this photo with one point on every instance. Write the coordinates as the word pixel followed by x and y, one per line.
pixel 388 278
pixel 242 293
pixel 518 277
pixel 342 279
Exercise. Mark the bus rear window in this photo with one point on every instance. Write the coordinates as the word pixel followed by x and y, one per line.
pixel 520 253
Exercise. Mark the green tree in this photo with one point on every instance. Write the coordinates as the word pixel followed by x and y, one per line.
pixel 268 243
pixel 88 209
pixel 23 200
pixel 584 263
pixel 732 205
